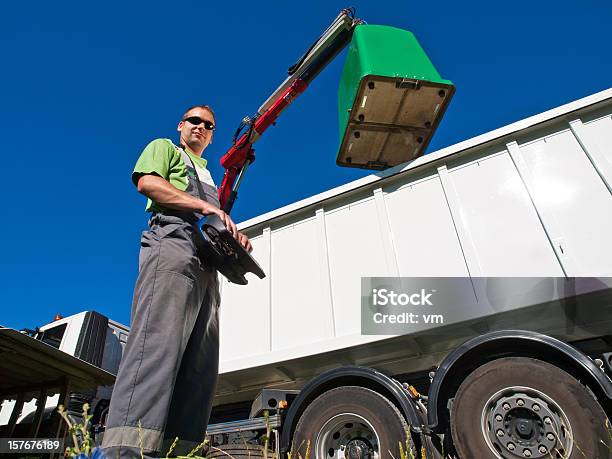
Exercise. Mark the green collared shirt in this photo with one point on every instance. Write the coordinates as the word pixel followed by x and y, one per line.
pixel 161 158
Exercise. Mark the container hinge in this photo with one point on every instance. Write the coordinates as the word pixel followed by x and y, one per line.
pixel 407 83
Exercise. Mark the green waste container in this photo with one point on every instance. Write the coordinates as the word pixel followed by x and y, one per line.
pixel 390 100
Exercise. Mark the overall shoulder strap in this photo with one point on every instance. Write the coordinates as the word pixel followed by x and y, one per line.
pixel 188 161
pixel 204 186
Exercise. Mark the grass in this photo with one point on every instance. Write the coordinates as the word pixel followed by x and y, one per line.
pixel 83 444
pixel 408 454
pixel 609 430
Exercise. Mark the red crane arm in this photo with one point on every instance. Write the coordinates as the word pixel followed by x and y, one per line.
pixel 323 51
pixel 242 151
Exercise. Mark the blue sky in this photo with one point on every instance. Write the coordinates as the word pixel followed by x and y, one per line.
pixel 84 86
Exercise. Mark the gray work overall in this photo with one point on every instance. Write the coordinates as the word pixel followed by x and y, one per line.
pixel 168 372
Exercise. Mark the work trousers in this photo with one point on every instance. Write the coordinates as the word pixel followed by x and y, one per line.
pixel 168 373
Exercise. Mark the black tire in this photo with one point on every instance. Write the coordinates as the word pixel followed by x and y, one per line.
pixel 345 412
pixel 517 403
pixel 236 451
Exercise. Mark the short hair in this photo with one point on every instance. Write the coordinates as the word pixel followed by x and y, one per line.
pixel 205 107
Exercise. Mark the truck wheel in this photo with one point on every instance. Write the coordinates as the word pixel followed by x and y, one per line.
pixel 351 422
pixel 519 407
pixel 236 451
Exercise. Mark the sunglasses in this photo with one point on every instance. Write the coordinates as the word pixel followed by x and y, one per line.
pixel 196 121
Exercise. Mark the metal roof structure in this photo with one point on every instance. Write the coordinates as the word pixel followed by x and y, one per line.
pixel 27 364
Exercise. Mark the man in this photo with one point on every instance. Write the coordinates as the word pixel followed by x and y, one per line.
pixel 168 373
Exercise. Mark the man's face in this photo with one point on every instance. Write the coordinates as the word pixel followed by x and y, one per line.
pixel 196 136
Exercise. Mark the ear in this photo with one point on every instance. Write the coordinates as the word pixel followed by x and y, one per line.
pixel 180 126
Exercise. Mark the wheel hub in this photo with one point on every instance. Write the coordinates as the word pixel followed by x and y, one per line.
pixel 358 449
pixel 520 422
pixel 524 428
pixel 347 436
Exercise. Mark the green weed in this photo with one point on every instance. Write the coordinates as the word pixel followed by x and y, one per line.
pixel 82 442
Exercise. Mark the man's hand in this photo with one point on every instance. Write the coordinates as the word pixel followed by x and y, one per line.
pixel 162 192
pixel 244 242
pixel 209 209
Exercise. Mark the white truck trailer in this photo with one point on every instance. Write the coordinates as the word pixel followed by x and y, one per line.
pixel 529 200
pixel 532 199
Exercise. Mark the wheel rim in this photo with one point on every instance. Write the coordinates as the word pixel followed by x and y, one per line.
pixel 521 422
pixel 347 436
